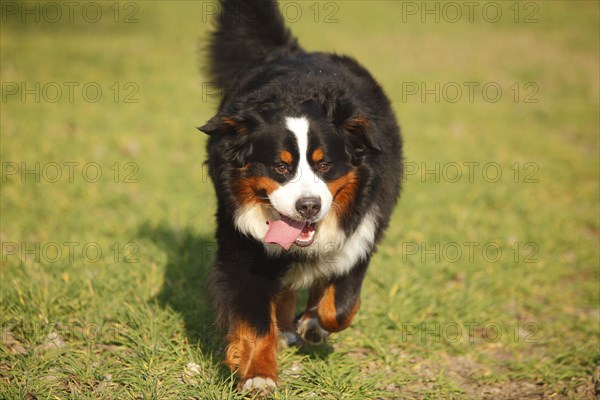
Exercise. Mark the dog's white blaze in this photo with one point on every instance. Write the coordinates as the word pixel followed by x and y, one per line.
pixel 304 183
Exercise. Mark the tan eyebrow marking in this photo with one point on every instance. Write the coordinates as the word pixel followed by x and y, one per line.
pixel 286 157
pixel 318 155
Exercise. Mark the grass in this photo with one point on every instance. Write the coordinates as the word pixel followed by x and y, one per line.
pixel 444 315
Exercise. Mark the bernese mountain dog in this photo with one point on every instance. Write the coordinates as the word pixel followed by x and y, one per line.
pixel 306 159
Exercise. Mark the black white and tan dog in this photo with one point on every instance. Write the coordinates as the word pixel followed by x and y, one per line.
pixel 305 157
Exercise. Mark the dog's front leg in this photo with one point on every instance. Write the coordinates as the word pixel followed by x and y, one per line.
pixel 332 305
pixel 252 341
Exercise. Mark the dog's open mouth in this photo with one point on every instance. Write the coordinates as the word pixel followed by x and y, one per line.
pixel 286 232
pixel 307 236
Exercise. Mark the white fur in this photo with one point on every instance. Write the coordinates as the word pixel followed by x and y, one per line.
pixel 331 254
pixel 336 258
pixel 259 384
pixel 252 220
pixel 304 183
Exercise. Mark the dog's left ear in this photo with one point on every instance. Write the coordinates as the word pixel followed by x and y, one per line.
pixel 356 125
pixel 220 124
pixel 361 132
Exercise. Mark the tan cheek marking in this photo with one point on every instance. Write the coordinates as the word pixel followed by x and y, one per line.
pixel 286 157
pixel 343 191
pixel 318 155
pixel 248 190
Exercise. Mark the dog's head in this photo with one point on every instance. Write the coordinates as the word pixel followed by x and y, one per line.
pixel 303 164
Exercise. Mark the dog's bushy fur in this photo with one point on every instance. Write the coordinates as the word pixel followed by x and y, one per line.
pixel 275 94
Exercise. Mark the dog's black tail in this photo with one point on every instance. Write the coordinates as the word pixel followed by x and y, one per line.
pixel 248 33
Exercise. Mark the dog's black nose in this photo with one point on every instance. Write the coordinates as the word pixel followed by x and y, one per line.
pixel 308 207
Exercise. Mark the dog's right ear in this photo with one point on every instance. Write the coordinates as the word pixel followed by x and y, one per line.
pixel 221 124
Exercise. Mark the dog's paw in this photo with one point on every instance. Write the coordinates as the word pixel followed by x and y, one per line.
pixel 290 339
pixel 311 331
pixel 259 385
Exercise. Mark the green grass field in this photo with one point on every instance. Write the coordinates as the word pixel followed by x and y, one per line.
pixel 487 282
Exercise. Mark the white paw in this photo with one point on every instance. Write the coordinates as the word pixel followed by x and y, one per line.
pixel 311 332
pixel 259 384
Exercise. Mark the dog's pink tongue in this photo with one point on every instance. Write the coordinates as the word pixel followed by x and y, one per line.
pixel 284 232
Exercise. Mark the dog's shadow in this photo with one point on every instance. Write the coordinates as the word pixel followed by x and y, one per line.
pixel 185 286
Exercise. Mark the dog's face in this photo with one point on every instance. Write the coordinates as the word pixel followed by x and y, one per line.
pixel 301 167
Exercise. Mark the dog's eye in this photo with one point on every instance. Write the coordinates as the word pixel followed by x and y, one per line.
pixel 324 167
pixel 282 169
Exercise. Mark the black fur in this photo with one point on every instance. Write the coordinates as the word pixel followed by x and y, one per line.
pixel 248 34
pixel 266 76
